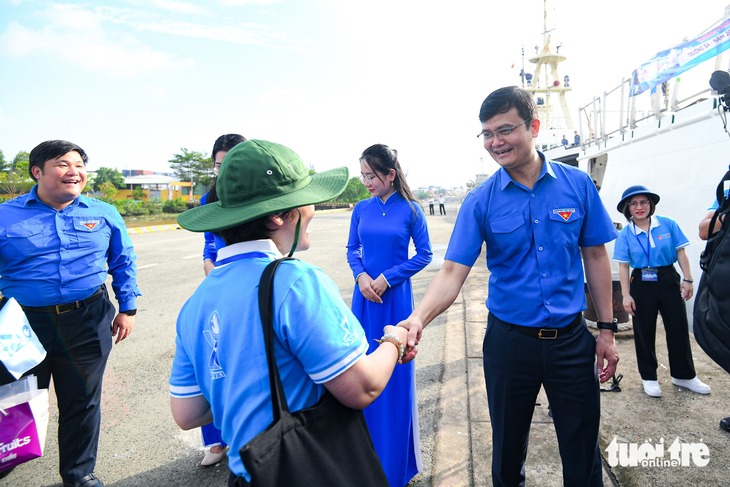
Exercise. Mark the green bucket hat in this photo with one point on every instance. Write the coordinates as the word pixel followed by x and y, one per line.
pixel 259 178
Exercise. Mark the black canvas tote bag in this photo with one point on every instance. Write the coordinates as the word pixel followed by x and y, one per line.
pixel 712 302
pixel 327 444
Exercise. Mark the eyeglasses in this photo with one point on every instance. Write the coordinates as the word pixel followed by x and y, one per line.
pixel 367 179
pixel 634 204
pixel 502 133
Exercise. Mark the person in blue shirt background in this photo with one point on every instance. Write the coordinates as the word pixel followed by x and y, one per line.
pixel 705 223
pixel 650 245
pixel 536 217
pixel 213 240
pixel 705 234
pixel 213 243
pixel 56 249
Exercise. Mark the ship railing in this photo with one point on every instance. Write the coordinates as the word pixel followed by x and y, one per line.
pixel 614 112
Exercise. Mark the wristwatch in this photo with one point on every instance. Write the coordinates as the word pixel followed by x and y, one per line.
pixel 606 325
pixel 130 312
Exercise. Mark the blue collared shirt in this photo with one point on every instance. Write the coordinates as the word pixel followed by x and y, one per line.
pixel 533 239
pixel 657 249
pixel 50 257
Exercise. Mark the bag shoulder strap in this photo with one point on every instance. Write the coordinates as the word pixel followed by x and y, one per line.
pixel 266 310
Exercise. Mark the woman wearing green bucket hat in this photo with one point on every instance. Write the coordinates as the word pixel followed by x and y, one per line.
pixel 265 203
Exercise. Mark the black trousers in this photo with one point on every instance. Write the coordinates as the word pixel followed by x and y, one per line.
pixel 515 366
pixel 661 296
pixel 430 209
pixel 442 209
pixel 78 345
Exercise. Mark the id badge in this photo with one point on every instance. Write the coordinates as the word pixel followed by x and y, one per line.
pixel 648 274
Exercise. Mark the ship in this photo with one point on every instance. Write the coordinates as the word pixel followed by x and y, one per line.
pixel 649 130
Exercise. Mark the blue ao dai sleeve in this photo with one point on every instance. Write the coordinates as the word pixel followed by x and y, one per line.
pixel 419 234
pixel 354 245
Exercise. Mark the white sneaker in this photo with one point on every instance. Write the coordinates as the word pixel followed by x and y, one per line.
pixel 695 385
pixel 651 387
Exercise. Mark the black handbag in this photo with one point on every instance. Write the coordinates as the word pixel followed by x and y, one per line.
pixel 327 444
pixel 712 300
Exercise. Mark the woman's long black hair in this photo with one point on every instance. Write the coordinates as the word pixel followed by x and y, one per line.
pixel 223 143
pixel 382 159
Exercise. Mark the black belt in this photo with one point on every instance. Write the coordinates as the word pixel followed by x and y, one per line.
pixel 549 333
pixel 60 309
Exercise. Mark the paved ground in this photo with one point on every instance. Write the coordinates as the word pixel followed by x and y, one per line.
pixel 141 445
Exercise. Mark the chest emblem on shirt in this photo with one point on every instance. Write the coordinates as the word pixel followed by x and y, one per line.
pixel 666 235
pixel 350 336
pixel 90 224
pixel 211 336
pixel 565 213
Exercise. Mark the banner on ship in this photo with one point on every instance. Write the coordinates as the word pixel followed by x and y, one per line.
pixel 672 62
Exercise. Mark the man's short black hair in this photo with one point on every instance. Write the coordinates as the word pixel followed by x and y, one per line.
pixel 49 150
pixel 505 99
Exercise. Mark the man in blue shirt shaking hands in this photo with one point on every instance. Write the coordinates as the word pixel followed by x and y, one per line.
pixel 56 249
pixel 536 216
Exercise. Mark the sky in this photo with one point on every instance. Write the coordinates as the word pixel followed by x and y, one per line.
pixel 134 81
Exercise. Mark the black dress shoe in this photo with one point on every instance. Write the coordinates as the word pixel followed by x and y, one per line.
pixel 725 424
pixel 90 480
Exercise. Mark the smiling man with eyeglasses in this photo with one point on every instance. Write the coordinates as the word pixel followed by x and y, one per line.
pixel 536 216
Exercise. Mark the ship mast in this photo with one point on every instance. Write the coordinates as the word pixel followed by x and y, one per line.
pixel 558 87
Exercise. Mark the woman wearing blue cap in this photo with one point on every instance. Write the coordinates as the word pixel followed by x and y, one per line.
pixel 651 244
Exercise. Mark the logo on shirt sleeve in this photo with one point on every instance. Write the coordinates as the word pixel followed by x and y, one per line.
pixel 350 336
pixel 90 224
pixel 211 336
pixel 565 213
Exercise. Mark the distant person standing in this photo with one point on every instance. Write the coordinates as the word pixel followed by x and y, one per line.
pixel 430 205
pixel 381 229
pixel 564 141
pixel 576 138
pixel 57 248
pixel 442 202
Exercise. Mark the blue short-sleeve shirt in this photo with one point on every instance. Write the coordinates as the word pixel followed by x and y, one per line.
pixel 656 249
pixel 533 239
pixel 50 257
pixel 220 345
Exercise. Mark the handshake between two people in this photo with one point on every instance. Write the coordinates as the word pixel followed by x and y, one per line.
pixel 414 327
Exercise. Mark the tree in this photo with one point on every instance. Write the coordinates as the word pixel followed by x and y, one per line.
pixel 354 191
pixel 193 166
pixel 16 181
pixel 108 191
pixel 20 157
pixel 107 174
pixel 3 162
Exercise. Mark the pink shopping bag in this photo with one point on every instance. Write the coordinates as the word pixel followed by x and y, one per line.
pixel 23 428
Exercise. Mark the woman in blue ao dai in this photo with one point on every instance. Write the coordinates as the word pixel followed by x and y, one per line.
pixel 381 230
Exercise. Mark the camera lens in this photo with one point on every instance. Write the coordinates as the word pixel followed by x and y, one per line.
pixel 720 81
